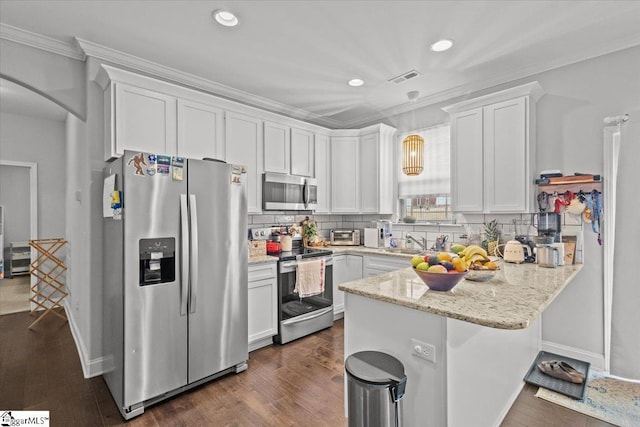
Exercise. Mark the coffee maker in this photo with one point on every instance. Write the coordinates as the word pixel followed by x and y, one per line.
pixel 549 227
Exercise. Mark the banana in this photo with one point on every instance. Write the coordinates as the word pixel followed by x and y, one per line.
pixel 473 250
pixel 475 257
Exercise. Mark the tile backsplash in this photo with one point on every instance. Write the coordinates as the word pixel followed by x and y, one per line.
pixel 466 229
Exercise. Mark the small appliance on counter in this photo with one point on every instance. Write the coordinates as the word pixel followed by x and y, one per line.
pixel 549 226
pixel 345 237
pixel 548 256
pixel 377 235
pixel 519 250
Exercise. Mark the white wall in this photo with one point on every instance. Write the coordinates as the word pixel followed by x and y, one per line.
pixel 41 141
pixel 569 137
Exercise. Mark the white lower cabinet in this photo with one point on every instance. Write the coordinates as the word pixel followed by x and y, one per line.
pixel 263 304
pixel 345 269
pixel 374 265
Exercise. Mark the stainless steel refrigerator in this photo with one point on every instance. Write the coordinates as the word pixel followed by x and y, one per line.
pixel 175 276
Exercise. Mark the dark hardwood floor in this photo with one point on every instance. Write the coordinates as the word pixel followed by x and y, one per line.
pixel 298 384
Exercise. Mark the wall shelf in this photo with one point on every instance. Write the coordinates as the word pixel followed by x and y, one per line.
pixel 585 187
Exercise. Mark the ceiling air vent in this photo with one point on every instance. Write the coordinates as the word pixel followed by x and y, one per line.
pixel 405 76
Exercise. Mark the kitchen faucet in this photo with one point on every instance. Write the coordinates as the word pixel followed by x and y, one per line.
pixel 422 244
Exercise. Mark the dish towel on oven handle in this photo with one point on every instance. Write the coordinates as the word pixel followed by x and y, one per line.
pixel 309 278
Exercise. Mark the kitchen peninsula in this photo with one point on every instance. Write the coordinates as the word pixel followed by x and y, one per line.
pixel 485 336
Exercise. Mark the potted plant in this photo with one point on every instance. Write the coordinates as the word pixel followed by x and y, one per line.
pixel 309 231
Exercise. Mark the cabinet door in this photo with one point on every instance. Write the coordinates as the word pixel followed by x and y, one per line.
pixel 369 174
pixel 243 146
pixel 466 161
pixel 506 157
pixel 345 175
pixel 144 120
pixel 262 305
pixel 340 274
pixel 323 173
pixel 345 269
pixel 276 148
pixel 302 152
pixel 199 130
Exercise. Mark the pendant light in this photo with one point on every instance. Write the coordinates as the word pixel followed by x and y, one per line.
pixel 413 146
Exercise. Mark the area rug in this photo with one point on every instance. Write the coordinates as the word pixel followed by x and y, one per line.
pixel 614 401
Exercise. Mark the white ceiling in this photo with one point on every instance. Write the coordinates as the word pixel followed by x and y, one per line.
pixel 300 54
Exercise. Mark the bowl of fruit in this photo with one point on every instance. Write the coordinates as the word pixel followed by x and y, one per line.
pixel 482 271
pixel 441 271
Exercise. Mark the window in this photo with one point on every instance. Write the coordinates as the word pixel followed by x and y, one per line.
pixel 426 197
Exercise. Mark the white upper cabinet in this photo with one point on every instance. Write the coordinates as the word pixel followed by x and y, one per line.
pixel 345 174
pixel 200 130
pixel 243 144
pixel 376 170
pixel 466 161
pixel 302 152
pixel 323 173
pixel 277 151
pixel 369 173
pixel 362 170
pixel 493 151
pixel 288 150
pixel 145 120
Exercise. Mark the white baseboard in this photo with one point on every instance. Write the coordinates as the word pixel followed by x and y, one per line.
pixel 90 367
pixel 596 360
pixel 263 342
pixel 338 316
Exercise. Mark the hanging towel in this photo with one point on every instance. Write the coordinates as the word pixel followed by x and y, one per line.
pixel 309 278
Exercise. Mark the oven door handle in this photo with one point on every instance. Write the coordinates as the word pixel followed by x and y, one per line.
pixel 290 266
pixel 313 315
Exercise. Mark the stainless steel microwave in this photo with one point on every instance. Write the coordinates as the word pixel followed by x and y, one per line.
pixel 282 192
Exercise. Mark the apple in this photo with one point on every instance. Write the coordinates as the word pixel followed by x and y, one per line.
pixel 416 260
pixel 433 260
pixel 437 269
pixel 423 266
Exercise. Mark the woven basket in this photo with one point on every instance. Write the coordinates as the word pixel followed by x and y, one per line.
pixel 257 248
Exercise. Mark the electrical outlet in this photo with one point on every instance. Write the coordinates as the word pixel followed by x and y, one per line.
pixel 423 350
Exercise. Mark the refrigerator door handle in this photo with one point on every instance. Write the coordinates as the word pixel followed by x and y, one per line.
pixel 193 213
pixel 184 250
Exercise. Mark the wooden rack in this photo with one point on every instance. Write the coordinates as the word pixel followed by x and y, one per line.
pixel 585 187
pixel 48 290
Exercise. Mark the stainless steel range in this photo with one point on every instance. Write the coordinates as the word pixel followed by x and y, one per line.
pixel 298 317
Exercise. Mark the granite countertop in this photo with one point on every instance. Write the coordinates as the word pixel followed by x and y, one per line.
pixel 362 250
pixel 513 299
pixel 262 259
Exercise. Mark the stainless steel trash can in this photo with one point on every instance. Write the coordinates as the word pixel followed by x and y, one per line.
pixel 375 386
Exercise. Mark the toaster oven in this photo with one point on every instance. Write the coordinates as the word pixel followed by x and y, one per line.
pixel 345 237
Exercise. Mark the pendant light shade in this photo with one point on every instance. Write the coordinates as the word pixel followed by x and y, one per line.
pixel 413 155
pixel 413 146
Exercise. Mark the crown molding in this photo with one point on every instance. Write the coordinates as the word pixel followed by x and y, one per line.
pixel 38 41
pixel 176 76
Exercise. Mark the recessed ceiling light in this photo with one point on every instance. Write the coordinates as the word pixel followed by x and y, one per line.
pixel 442 45
pixel 356 82
pixel 225 18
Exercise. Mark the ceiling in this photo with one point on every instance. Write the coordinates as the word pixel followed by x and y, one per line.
pixel 298 55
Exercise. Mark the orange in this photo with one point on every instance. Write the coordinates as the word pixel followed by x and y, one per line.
pixel 459 264
pixel 444 256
